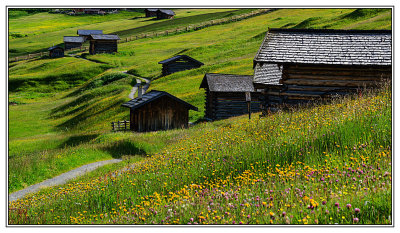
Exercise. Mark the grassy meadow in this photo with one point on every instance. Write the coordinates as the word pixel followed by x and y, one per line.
pixel 323 164
pixel 288 168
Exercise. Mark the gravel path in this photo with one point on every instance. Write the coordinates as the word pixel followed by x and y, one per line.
pixel 138 83
pixel 61 179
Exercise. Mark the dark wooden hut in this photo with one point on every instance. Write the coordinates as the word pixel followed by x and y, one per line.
pixel 178 63
pixel 86 33
pixel 165 14
pixel 299 65
pixel 158 110
pixel 150 12
pixel 91 11
pixel 71 42
pixel 103 44
pixel 226 95
pixel 56 51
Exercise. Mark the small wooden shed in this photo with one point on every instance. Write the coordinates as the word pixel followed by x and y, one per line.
pixel 151 12
pixel 86 33
pixel 56 51
pixel 165 14
pixel 71 42
pixel 158 110
pixel 103 44
pixel 226 95
pixel 179 63
pixel 294 66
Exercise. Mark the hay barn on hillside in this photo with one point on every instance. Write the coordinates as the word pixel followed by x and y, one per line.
pixel 103 44
pixel 151 12
pixel 178 63
pixel 165 14
pixel 71 42
pixel 226 95
pixel 299 65
pixel 158 110
pixel 86 33
pixel 56 51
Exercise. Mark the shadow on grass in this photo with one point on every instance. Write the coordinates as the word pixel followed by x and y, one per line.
pixel 122 148
pixel 82 118
pixel 77 140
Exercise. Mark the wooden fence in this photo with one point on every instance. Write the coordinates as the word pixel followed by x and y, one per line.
pixel 196 26
pixel 120 125
pixel 161 33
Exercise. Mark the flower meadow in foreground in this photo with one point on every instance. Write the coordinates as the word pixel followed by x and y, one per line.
pixel 330 164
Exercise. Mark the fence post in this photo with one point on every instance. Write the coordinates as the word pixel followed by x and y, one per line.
pixel 166 32
pixel 112 125
pixel 127 39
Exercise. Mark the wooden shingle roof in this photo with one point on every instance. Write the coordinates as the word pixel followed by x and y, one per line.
pixel 54 47
pixel 89 32
pixel 74 39
pixel 179 57
pixel 154 95
pixel 268 74
pixel 105 37
pixel 318 46
pixel 228 83
pixel 167 12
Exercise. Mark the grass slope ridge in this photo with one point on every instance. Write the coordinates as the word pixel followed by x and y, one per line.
pixel 318 165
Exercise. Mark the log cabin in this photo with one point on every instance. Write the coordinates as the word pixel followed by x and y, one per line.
pixel 150 12
pixel 103 44
pixel 296 66
pixel 226 95
pixel 71 42
pixel 158 110
pixel 178 63
pixel 165 14
pixel 86 33
pixel 56 51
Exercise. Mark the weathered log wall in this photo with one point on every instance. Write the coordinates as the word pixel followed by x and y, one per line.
pixel 103 46
pixel 178 66
pixel 161 114
pixel 222 105
pixel 303 83
pixel 71 45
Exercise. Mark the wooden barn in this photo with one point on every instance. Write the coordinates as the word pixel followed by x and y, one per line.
pixel 103 44
pixel 226 95
pixel 165 14
pixel 151 12
pixel 56 51
pixel 178 63
pixel 86 33
pixel 294 66
pixel 158 110
pixel 71 42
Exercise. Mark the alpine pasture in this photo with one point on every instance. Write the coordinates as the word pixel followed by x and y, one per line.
pixel 320 164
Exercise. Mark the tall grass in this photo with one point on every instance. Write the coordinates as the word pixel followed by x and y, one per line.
pixel 294 167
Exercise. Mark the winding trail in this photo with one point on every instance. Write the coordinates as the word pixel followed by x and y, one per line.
pixel 61 179
pixel 138 83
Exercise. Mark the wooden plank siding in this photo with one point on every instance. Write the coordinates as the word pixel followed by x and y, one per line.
pixel 71 45
pixel 103 46
pixel 222 105
pixel 178 66
pixel 302 83
pixel 161 114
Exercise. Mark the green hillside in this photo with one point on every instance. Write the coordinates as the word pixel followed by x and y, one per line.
pixel 38 32
pixel 61 110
